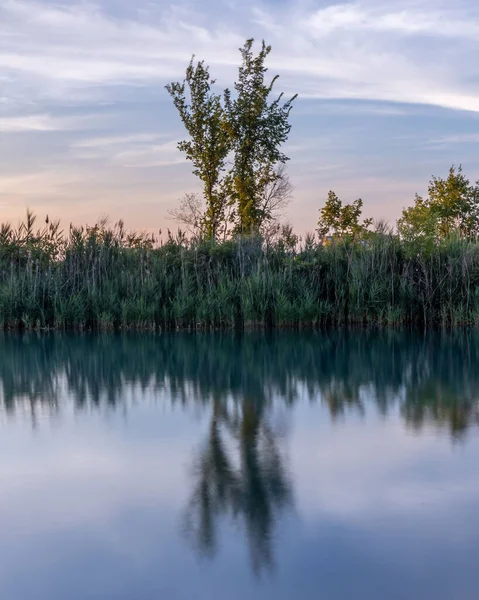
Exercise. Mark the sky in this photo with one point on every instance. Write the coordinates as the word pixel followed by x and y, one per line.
pixel 388 95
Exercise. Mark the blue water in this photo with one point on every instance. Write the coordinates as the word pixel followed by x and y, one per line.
pixel 320 465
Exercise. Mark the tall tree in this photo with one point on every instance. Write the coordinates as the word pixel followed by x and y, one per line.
pixel 257 128
pixel 203 116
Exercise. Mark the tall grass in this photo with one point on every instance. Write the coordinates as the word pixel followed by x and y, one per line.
pixel 103 277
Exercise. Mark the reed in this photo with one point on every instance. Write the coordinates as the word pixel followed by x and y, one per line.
pixel 104 277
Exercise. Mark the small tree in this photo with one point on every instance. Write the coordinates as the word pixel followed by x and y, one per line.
pixel 209 144
pixel 342 220
pixel 452 206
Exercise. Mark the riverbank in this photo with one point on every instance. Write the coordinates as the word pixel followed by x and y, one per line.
pixel 105 278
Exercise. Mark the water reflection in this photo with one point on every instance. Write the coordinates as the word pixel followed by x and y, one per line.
pixel 432 378
pixel 408 492
pixel 253 491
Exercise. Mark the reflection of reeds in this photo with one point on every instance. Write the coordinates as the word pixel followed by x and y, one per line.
pixel 104 277
pixel 434 378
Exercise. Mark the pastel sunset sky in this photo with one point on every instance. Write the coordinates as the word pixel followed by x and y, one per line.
pixel 388 96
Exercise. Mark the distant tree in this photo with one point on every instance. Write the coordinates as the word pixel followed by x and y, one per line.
pixel 257 127
pixel 341 220
pixel 203 116
pixel 451 207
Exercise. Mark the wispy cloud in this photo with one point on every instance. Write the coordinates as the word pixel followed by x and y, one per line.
pixel 114 140
pixel 364 50
pixel 45 122
pixel 391 17
pixel 134 151
pixel 463 138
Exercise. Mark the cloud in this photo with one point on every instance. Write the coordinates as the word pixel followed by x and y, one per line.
pixel 349 108
pixel 374 17
pixel 362 50
pixel 44 122
pixel 463 138
pixel 82 44
pixel 28 123
pixel 397 61
pixel 114 140
pixel 135 150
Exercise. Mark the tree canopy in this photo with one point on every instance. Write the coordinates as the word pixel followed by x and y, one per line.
pixel 341 220
pixel 450 208
pixel 235 144
pixel 209 143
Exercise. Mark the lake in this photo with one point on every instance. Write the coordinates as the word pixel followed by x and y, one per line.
pixel 221 466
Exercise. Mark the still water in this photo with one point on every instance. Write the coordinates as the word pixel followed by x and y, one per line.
pixel 320 465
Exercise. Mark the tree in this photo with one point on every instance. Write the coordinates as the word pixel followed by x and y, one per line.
pixel 257 128
pixel 342 220
pixel 209 144
pixel 418 224
pixel 251 127
pixel 452 206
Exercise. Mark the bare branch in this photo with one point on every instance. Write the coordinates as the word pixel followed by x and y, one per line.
pixel 191 214
pixel 277 194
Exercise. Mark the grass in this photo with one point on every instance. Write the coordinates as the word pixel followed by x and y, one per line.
pixel 105 278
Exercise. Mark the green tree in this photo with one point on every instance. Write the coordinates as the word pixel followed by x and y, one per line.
pixel 209 144
pixel 418 225
pixel 451 207
pixel 257 127
pixel 342 220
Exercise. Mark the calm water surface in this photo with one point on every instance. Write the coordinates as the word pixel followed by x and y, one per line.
pixel 308 466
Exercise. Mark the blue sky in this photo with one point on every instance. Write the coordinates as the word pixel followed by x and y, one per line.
pixel 388 96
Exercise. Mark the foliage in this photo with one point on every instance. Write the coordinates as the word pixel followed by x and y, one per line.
pixel 451 208
pixel 258 127
pixel 209 144
pixel 104 277
pixel 249 126
pixel 342 220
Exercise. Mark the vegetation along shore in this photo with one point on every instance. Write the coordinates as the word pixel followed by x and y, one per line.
pixel 234 263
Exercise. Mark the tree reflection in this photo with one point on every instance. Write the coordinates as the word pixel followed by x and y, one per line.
pixel 252 491
pixel 240 381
